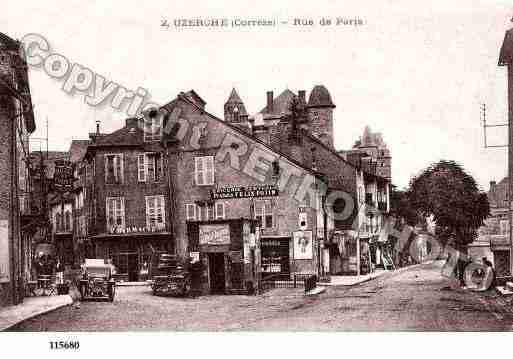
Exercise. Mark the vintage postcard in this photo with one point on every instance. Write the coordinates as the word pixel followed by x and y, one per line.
pixel 326 166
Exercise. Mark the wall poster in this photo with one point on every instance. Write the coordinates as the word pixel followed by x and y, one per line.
pixel 4 251
pixel 303 248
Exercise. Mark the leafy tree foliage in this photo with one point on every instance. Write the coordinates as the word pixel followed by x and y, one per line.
pixel 401 207
pixel 449 194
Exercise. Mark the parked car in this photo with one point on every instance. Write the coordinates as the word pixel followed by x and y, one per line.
pixel 97 281
pixel 170 276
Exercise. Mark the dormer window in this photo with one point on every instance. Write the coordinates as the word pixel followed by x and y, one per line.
pixel 152 128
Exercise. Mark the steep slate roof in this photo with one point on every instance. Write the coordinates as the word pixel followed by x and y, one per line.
pixel 506 53
pixel 125 136
pixel 192 95
pixel 234 99
pixel 320 97
pixel 280 105
pixel 7 42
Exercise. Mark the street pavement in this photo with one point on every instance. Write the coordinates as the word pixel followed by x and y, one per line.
pixel 415 299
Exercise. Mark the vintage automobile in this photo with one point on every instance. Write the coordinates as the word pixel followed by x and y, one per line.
pixel 170 276
pixel 97 281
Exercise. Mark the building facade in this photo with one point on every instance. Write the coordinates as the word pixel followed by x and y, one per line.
pixel 235 209
pixel 279 169
pixel 18 219
pixel 493 237
pixel 125 198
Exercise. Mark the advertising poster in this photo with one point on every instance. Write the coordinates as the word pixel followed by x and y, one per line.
pixel 4 251
pixel 303 248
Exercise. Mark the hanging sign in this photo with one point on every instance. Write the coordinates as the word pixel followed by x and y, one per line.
pixel 269 190
pixel 4 251
pixel 63 176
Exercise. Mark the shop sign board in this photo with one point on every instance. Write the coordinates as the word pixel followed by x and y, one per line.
pixel 63 176
pixel 195 257
pixel 245 192
pixel 4 251
pixel 303 246
pixel 214 234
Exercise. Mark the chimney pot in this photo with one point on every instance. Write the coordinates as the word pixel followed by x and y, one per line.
pixel 492 185
pixel 270 101
pixel 302 96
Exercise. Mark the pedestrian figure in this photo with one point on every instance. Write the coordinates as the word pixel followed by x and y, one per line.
pixel 489 264
pixel 59 272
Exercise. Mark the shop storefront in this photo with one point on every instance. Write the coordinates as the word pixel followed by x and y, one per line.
pixel 131 253
pixel 275 258
pixel 229 254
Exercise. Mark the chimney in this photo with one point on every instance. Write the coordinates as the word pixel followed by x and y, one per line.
pixel 269 101
pixel 251 125
pixel 492 186
pixel 302 96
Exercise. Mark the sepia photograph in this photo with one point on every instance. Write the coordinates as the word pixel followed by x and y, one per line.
pixel 175 168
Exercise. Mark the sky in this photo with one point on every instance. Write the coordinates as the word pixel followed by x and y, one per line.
pixel 417 73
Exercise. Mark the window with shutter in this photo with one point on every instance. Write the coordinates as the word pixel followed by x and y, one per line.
pixel 198 175
pixel 264 213
pixel 141 167
pixel 209 212
pixel 115 213
pixel 190 210
pixel 209 171
pixel 155 212
pixel 114 168
pixel 220 210
pixel 152 129
pixel 204 170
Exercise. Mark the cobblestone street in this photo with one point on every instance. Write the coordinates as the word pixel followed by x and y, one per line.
pixel 414 299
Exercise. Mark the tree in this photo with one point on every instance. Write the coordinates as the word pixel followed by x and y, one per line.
pixel 401 207
pixel 446 192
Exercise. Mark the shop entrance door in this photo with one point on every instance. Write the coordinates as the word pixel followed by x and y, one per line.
pixel 216 270
pixel 133 267
pixel 127 265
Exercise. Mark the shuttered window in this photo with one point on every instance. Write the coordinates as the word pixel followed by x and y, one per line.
pixel 115 214
pixel 141 167
pixel 114 168
pixel 220 210
pixel 155 212
pixel 190 210
pixel 149 166
pixel 264 213
pixel 204 170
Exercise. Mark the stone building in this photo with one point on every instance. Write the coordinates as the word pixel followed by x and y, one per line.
pixel 18 220
pixel 125 198
pixel 226 184
pixel 280 169
pixel 304 130
pixel 493 237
